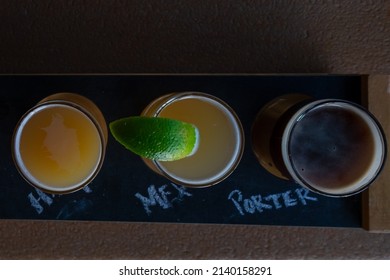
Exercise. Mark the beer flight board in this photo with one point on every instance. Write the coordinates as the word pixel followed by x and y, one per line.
pixel 127 190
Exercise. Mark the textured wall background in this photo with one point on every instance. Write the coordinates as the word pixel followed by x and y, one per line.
pixel 158 36
pixel 195 36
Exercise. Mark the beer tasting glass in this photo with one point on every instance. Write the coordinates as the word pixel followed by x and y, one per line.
pixel 330 146
pixel 221 138
pixel 59 145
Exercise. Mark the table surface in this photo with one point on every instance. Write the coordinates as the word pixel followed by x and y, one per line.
pixel 193 37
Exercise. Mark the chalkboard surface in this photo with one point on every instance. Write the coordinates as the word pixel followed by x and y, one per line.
pixel 126 190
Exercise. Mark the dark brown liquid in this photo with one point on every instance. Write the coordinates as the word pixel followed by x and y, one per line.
pixel 332 147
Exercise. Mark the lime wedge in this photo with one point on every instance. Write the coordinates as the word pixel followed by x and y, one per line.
pixel 155 138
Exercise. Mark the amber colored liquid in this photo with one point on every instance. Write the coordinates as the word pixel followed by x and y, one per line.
pixel 59 146
pixel 219 144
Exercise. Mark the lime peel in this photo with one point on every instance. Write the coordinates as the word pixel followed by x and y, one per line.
pixel 155 138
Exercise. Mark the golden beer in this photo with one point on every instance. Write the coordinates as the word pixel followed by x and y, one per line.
pixel 59 145
pixel 221 138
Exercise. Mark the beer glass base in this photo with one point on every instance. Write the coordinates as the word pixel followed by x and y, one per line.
pixel 267 133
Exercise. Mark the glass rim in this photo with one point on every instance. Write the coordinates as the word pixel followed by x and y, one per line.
pixel 286 147
pixel 19 162
pixel 236 157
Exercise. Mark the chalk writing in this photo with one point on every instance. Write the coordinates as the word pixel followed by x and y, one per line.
pixel 74 207
pixel 40 200
pixel 258 203
pixel 36 201
pixel 87 189
pixel 163 196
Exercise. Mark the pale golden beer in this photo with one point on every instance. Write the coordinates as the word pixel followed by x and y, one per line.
pixel 59 144
pixel 221 138
pixel 331 146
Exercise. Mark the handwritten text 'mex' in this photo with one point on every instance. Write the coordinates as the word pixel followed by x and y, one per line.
pixel 162 196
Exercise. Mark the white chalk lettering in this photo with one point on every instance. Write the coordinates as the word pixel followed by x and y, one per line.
pixel 181 192
pixel 35 201
pixel 162 197
pixel 47 199
pixel 258 203
pixel 288 200
pixel 275 200
pixel 87 189
pixel 152 199
pixel 236 201
pixel 250 205
pixel 303 195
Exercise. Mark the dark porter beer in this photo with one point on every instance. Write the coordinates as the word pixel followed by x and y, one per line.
pixel 333 147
